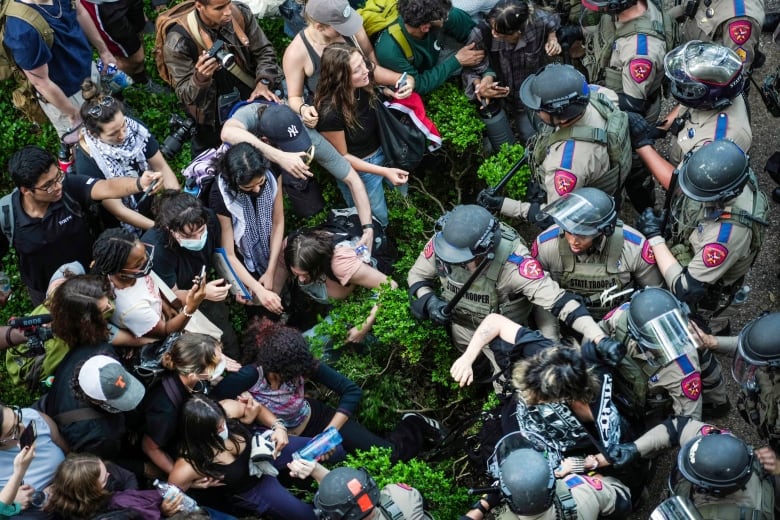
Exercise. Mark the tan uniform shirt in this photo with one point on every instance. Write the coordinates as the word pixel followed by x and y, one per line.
pixel 640 57
pixel 594 496
pixel 408 500
pixel 680 378
pixel 704 126
pixel 525 279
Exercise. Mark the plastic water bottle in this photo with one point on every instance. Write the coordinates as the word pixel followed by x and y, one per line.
pixel 742 295
pixel 115 79
pixel 319 445
pixel 170 491
pixel 5 283
pixel 362 252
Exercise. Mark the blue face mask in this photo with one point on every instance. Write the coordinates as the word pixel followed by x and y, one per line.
pixel 195 244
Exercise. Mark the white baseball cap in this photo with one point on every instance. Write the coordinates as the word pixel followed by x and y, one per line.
pixel 104 379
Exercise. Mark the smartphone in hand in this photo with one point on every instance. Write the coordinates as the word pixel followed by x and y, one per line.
pixel 401 83
pixel 28 435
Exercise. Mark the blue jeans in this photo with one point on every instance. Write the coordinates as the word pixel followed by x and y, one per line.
pixel 374 187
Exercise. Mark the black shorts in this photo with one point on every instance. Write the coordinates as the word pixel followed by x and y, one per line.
pixel 119 24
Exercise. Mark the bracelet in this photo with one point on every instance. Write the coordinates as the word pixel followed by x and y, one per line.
pixel 8 341
pixel 655 241
pixel 300 110
pixel 367 226
pixel 278 424
pixel 188 314
pixel 138 184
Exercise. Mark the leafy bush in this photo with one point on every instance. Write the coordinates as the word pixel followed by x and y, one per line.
pixel 495 167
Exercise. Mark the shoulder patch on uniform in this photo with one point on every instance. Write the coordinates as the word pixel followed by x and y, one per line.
pixel 691 386
pixel 611 313
pixel 530 268
pixel 564 182
pixel 647 253
pixel 740 31
pixel 640 69
pixel 515 258
pixel 551 233
pixel 684 362
pixel 428 251
pixel 575 480
pixel 714 254
pixel 631 237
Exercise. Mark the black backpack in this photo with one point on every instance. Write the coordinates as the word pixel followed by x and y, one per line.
pixel 345 225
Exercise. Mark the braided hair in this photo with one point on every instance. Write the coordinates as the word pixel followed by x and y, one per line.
pixel 111 250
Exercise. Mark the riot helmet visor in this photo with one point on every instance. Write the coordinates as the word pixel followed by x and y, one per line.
pixel 577 215
pixel 669 336
pixel 676 508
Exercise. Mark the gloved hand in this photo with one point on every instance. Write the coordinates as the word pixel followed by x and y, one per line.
pixel 537 218
pixel 623 454
pixel 641 132
pixel 489 200
pixel 568 34
pixel 650 224
pixel 418 305
pixel 435 309
pixel 535 193
pixel 262 455
pixel 611 351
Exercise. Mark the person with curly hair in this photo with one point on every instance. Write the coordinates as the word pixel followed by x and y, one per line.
pixel 126 263
pixel 247 198
pixel 217 448
pixel 345 101
pixel 112 144
pixel 284 363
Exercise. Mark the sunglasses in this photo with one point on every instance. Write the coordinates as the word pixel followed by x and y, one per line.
pixel 96 110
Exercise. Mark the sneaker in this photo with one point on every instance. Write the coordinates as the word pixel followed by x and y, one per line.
pixel 434 431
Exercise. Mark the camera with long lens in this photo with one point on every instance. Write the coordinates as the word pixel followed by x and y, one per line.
pixel 34 331
pixel 770 93
pixel 222 55
pixel 181 130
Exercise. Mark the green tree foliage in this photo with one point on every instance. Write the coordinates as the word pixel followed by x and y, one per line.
pixel 495 167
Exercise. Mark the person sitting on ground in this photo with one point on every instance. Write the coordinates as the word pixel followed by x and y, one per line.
pixel 184 236
pixel 8 504
pixel 49 212
pixel 126 263
pixel 284 363
pixel 347 119
pixel 248 203
pixel 112 144
pixel 217 449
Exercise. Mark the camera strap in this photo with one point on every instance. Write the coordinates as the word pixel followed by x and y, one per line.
pixel 204 41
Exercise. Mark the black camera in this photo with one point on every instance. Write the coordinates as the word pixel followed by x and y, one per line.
pixel 181 131
pixel 222 55
pixel 770 93
pixel 36 333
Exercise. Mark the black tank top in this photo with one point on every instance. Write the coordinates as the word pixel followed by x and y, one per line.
pixel 236 474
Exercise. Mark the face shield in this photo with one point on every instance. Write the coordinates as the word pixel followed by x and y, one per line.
pixel 575 214
pixel 676 508
pixel 666 338
pixel 698 69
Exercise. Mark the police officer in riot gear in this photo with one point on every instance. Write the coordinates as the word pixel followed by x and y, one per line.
pixel 571 149
pixel 708 81
pixel 525 478
pixel 676 508
pixel 590 252
pixel 510 280
pixel 717 471
pixel 660 373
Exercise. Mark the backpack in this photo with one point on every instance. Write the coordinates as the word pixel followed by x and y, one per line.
pixel 345 225
pixel 378 15
pixel 200 174
pixel 7 220
pixel 614 135
pixel 184 15
pixel 760 405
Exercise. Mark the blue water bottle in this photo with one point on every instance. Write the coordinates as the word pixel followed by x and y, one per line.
pixel 319 445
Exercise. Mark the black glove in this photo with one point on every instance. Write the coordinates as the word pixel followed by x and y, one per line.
pixel 435 310
pixel 535 193
pixel 641 132
pixel 610 351
pixel 568 34
pixel 418 305
pixel 650 224
pixel 538 218
pixel 489 200
pixel 623 454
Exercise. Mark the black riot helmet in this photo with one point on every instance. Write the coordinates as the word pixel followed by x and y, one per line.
pixel 346 493
pixel 715 172
pixel 524 473
pixel 559 90
pixel 585 211
pixel 466 232
pixel 608 6
pixel 716 463
pixel 758 346
pixel 704 75
pixel 658 322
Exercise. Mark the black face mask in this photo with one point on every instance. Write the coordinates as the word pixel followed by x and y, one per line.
pixel 146 269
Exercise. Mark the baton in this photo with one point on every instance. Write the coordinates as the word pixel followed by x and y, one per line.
pixel 511 173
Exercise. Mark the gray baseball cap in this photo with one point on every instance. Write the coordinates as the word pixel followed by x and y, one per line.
pixel 336 13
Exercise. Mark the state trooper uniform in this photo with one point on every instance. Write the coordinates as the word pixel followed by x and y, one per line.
pixel 708 81
pixel 733 23
pixel 667 362
pixel 718 472
pixel 618 260
pixel 511 281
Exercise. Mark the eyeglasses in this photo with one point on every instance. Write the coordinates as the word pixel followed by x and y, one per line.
pixel 50 186
pixel 14 433
pixel 96 110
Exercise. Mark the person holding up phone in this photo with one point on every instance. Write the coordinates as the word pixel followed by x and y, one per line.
pixel 8 505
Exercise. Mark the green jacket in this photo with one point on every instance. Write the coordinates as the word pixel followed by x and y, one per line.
pixel 428 73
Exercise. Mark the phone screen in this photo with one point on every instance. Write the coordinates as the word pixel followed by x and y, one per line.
pixel 28 435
